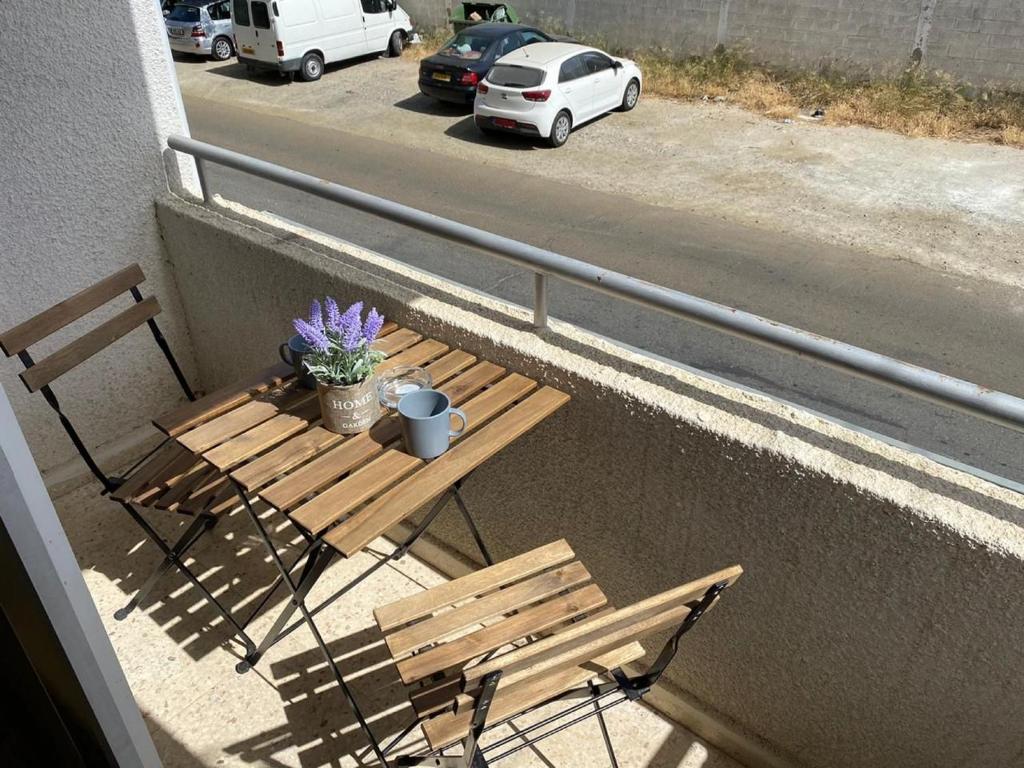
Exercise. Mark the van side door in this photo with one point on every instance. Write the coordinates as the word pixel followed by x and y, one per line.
pixel 378 24
pixel 340 33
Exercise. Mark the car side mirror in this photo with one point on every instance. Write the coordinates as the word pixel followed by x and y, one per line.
pixel 390 5
pixel 616 65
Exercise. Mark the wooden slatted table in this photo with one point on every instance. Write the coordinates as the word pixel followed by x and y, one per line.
pixel 261 439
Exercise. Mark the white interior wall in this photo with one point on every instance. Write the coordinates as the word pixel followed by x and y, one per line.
pixel 88 96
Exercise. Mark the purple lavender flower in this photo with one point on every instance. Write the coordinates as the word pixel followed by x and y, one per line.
pixel 333 315
pixel 352 336
pixel 350 317
pixel 315 337
pixel 374 322
pixel 316 315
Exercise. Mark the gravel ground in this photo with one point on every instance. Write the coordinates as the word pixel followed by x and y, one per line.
pixel 949 206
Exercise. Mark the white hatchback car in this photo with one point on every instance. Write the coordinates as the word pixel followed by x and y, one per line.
pixel 547 89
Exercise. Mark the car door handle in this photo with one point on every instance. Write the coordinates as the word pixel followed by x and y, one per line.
pixel 567 90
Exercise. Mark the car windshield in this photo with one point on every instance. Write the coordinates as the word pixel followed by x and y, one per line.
pixel 184 13
pixel 512 76
pixel 466 45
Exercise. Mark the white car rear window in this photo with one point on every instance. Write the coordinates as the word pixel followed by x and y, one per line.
pixel 512 76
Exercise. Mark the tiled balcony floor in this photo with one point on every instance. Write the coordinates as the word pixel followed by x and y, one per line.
pixel 285 712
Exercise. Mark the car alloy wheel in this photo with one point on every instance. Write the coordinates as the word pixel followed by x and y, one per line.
pixel 562 127
pixel 632 94
pixel 221 49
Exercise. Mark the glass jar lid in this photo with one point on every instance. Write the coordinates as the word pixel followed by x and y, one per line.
pixel 398 382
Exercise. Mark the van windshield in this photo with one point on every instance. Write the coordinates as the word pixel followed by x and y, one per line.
pixel 466 45
pixel 184 13
pixel 512 76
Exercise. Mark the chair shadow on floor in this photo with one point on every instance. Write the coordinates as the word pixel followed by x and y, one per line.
pixel 230 561
pixel 320 722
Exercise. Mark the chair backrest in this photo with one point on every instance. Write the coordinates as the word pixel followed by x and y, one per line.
pixel 38 375
pixel 599 634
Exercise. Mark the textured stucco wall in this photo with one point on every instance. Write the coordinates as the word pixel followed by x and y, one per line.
pixel 878 618
pixel 88 95
pixel 981 41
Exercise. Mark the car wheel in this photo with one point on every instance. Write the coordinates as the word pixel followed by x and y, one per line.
pixel 222 49
pixel 631 95
pixel 395 44
pixel 312 67
pixel 560 129
pixel 484 128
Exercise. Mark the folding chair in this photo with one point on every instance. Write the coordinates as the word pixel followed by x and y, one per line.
pixel 163 478
pixel 499 643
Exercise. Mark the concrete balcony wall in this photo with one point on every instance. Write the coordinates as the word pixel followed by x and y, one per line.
pixel 89 99
pixel 879 618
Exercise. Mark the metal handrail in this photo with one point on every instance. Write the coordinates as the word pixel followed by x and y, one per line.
pixel 999 407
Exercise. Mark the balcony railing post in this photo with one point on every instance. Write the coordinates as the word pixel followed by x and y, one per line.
pixel 203 185
pixel 540 300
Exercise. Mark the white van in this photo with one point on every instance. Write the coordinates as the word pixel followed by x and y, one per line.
pixel 302 35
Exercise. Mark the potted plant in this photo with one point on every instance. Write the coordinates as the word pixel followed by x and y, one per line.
pixel 342 361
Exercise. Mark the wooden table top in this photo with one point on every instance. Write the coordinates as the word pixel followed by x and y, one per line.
pixel 264 432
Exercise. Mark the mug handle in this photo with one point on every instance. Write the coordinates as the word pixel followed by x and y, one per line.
pixel 465 421
pixel 280 351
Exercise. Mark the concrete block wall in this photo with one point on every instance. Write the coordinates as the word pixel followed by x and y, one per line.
pixel 877 623
pixel 979 41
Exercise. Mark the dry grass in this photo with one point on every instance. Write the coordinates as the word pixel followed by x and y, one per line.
pixel 430 43
pixel 913 104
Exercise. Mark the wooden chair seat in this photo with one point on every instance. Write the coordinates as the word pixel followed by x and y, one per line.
pixel 434 634
pixel 538 619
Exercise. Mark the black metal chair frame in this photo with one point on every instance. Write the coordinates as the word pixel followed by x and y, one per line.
pixel 318 555
pixel 597 698
pixel 173 553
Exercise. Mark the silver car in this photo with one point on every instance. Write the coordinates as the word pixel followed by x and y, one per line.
pixel 201 27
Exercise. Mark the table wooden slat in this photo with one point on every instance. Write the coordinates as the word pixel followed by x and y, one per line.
pixel 341 498
pixel 326 468
pixel 266 435
pixel 454 362
pixel 395 342
pixel 418 354
pixel 189 415
pixel 351 535
pixel 480 582
pixel 528 622
pixel 285 457
pixel 440 625
pixel 245 417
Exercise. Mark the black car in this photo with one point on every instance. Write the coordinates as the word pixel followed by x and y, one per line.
pixel 453 72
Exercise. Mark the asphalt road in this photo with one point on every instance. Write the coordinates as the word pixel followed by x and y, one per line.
pixel 963 327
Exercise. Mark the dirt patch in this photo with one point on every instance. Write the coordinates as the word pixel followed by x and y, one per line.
pixel 947 205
